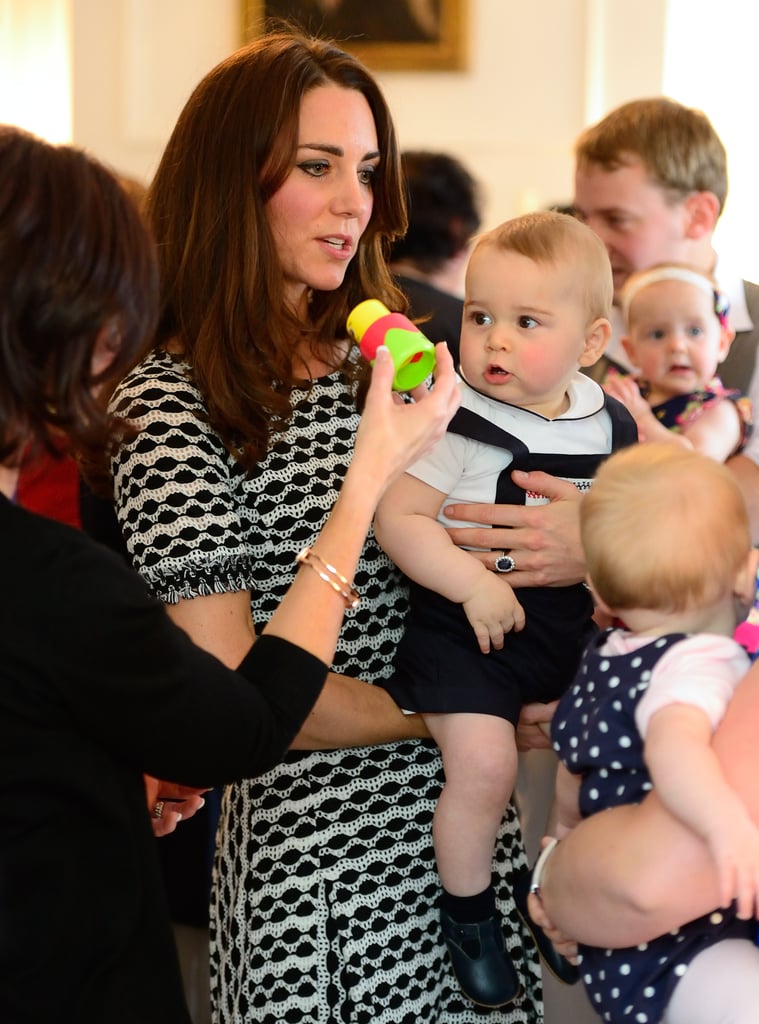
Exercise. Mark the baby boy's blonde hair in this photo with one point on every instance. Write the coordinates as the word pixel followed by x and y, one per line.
pixel 663 528
pixel 563 242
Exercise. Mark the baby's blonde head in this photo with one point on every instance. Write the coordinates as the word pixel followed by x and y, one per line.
pixel 563 242
pixel 663 528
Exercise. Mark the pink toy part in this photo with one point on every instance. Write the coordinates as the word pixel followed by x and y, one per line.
pixel 374 335
pixel 747 635
pixel 371 324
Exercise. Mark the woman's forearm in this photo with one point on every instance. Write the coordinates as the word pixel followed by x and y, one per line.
pixel 390 436
pixel 350 713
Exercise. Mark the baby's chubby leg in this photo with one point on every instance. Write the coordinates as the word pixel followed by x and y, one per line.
pixel 721 986
pixel 480 761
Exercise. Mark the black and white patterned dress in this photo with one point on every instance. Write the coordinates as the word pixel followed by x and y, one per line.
pixel 325 902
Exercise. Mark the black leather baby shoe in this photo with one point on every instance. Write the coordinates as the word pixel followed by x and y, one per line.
pixel 480 961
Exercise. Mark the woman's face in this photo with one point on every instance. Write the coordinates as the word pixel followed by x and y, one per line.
pixel 321 210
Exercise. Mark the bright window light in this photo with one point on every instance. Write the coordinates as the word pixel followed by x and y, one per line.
pixel 710 63
pixel 35 67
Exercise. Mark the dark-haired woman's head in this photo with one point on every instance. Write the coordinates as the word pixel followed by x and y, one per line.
pixel 215 209
pixel 78 292
pixel 443 209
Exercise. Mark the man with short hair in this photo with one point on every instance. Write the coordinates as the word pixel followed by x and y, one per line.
pixel 651 181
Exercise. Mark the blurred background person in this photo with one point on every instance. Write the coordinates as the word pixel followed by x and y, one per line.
pixel 444 211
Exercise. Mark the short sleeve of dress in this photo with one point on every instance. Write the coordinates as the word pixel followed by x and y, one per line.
pixel 179 494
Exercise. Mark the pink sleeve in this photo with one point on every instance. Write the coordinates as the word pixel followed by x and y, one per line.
pixel 702 671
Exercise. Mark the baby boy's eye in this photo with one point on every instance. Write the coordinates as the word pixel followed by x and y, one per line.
pixel 528 322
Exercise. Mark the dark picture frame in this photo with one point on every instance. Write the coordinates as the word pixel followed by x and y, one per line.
pixel 388 35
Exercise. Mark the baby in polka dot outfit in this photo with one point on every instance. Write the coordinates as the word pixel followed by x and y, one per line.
pixel 668 550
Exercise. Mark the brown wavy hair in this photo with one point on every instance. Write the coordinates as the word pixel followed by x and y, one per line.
pixel 76 259
pixel 222 288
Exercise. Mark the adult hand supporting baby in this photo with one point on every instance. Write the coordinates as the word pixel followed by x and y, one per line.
pixel 543 540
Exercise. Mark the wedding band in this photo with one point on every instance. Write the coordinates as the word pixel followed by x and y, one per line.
pixel 505 563
pixel 158 809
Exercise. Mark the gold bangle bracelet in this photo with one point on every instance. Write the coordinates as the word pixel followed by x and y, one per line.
pixel 344 588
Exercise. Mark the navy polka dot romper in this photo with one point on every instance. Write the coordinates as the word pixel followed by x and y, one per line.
pixel 595 735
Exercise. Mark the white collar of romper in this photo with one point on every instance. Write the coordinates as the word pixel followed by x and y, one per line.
pixel 586 398
pixel 731 283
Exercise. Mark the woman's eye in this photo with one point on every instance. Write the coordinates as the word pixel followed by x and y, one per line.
pixel 366 175
pixel 316 168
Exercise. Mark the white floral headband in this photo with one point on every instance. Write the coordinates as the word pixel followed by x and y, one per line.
pixel 656 274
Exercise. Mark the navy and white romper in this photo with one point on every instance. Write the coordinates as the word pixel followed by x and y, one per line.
pixel 439 666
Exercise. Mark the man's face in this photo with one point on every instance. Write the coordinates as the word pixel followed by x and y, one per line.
pixel 632 216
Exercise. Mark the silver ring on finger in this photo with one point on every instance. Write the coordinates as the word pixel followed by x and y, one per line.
pixel 158 809
pixel 505 563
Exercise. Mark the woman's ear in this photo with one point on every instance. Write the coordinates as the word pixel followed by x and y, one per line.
pixel 104 351
pixel 597 337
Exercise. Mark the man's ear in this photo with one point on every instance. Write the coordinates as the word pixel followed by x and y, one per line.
pixel 597 337
pixel 702 213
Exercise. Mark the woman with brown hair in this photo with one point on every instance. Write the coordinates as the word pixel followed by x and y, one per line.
pixel 273 207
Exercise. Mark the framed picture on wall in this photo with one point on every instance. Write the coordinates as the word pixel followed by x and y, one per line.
pixel 388 35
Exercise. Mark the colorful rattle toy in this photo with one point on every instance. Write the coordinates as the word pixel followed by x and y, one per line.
pixel 371 324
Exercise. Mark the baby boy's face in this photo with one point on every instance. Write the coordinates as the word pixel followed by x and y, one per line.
pixel 523 330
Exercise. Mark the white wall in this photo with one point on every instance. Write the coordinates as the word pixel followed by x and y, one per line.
pixel 538 72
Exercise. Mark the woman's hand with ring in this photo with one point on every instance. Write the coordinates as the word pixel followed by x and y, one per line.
pixel 504 562
pixel 169 803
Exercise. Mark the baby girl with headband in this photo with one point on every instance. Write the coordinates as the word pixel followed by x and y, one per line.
pixel 677 335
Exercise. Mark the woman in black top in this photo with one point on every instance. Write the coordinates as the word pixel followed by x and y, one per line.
pixel 97 686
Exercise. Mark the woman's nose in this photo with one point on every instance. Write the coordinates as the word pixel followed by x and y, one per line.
pixel 351 198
